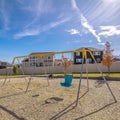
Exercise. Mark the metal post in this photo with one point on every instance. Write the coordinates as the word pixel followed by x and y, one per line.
pixel 28 84
pixel 87 75
pixel 78 93
pixel 103 77
pixel 21 69
pixel 7 73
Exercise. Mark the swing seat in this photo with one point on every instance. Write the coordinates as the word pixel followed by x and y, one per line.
pixel 68 81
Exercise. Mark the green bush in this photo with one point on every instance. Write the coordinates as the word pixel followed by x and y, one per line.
pixel 15 70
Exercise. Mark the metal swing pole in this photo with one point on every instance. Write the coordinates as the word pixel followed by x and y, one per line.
pixel 21 69
pixel 44 66
pixel 7 73
pixel 48 70
pixel 103 77
pixel 25 78
pixel 53 65
pixel 87 73
pixel 30 78
pixel 79 85
pixel 28 84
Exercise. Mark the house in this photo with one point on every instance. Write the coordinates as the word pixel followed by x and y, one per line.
pixel 116 58
pixel 58 62
pixel 3 64
pixel 96 52
pixel 38 59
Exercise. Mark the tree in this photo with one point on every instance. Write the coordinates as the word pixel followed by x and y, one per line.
pixel 15 69
pixel 107 58
pixel 66 63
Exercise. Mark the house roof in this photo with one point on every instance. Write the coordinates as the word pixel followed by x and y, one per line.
pixel 41 53
pixel 90 48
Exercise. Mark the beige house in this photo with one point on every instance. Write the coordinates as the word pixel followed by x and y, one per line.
pixel 39 59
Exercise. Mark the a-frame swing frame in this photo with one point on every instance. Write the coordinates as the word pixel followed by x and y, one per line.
pixel 8 72
pixel 84 57
pixel 30 78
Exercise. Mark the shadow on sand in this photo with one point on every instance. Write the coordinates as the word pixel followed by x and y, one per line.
pixel 67 109
pixel 15 94
pixel 11 113
pixel 95 111
pixel 72 106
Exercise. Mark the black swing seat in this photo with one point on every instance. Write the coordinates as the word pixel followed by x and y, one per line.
pixel 50 76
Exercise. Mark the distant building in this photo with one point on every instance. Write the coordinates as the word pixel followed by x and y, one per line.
pixel 3 64
pixel 39 59
pixel 96 52
pixel 116 58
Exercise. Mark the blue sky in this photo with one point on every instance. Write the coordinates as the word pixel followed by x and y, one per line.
pixel 56 25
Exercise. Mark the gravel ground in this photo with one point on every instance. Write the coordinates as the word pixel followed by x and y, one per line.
pixel 53 102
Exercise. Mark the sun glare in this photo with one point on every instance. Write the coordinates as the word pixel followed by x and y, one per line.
pixel 110 1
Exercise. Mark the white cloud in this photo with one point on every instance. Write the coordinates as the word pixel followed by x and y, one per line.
pixel 101 43
pixel 95 11
pixel 54 24
pixel 109 31
pixel 4 14
pixel 73 31
pixel 84 21
pixel 74 6
pixel 26 33
pixel 109 1
pixel 36 9
pixel 37 30
pixel 90 28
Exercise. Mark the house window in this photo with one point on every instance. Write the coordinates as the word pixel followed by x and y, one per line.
pixel 33 58
pixel 77 53
pixel 32 64
pixel 96 53
pixel 79 60
pixel 33 61
pixel 39 64
pixel 89 60
pixel 49 57
pixel 98 60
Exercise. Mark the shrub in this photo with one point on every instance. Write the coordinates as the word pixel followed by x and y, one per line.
pixel 15 69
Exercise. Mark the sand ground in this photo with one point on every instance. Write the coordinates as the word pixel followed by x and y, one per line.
pixel 53 102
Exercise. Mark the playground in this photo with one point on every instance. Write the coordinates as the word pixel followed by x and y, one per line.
pixel 53 101
pixel 63 98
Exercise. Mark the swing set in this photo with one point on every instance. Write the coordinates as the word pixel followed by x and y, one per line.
pixel 68 76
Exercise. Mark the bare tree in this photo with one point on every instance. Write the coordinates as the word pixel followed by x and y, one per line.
pixel 107 58
pixel 66 63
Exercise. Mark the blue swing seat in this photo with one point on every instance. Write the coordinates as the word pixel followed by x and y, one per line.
pixel 68 81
